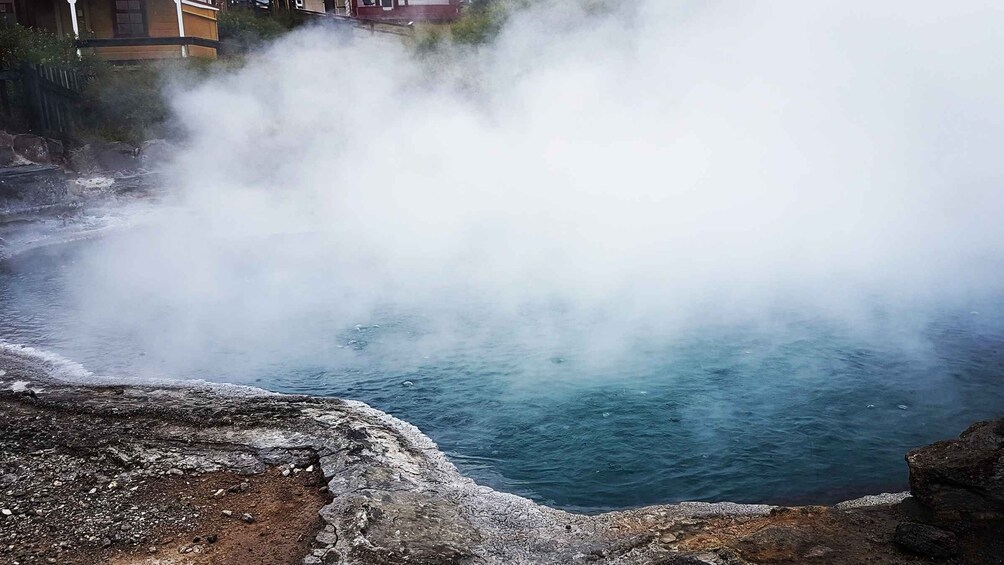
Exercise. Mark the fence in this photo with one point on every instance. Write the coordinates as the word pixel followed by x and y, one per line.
pixel 43 98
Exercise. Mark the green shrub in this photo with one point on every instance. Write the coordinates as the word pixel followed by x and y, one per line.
pixel 481 23
pixel 124 104
pixel 243 30
pixel 20 45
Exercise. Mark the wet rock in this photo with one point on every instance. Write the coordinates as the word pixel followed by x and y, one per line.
pixel 32 148
pixel 153 154
pixel 56 150
pixel 962 478
pixel 7 157
pixel 104 156
pixel 31 186
pixel 926 540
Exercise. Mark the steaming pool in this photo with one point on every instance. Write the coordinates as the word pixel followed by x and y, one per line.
pixel 793 411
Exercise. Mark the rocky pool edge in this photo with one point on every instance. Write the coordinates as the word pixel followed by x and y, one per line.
pixel 395 496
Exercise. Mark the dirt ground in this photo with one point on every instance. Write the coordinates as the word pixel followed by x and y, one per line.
pixel 71 495
pixel 284 510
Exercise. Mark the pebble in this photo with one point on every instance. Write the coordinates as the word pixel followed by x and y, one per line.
pixel 311 560
pixel 228 512
pixel 240 488
pixel 285 472
pixel 92 491
pixel 211 538
pixel 902 407
pixel 247 518
pixel 219 493
pixel 152 550
pixel 667 538
pixel 310 469
pixel 326 538
pixel 6 512
pixel 175 471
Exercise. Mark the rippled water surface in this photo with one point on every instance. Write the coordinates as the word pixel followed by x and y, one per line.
pixel 791 411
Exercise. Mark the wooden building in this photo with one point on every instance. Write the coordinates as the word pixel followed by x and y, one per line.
pixel 126 30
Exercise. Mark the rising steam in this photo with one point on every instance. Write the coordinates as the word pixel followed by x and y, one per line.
pixel 652 165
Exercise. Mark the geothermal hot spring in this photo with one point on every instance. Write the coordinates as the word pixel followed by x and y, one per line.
pixel 661 251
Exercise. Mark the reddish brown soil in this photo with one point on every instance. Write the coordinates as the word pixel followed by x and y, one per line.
pixel 285 511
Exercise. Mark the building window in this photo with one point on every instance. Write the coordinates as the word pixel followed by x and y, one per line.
pixel 130 21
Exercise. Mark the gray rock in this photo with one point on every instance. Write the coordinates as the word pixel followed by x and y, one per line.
pixel 56 149
pixel 8 157
pixel 153 154
pixel 30 186
pixel 884 499
pixel 926 540
pixel 327 538
pixel 32 148
pixel 247 518
pixel 104 157
pixel 311 560
pixel 119 457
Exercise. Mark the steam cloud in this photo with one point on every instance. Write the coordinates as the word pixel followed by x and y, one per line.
pixel 643 168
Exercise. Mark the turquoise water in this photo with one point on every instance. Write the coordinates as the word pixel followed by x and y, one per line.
pixel 798 409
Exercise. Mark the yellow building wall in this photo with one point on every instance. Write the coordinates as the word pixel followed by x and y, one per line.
pixel 201 22
pixel 161 21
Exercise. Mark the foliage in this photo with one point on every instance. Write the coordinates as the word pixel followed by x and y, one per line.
pixel 243 30
pixel 481 22
pixel 20 45
pixel 124 104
